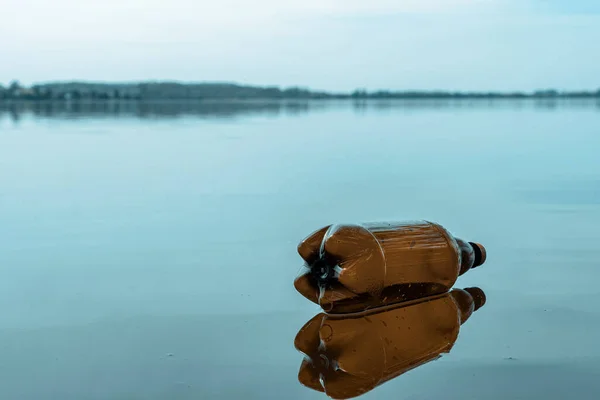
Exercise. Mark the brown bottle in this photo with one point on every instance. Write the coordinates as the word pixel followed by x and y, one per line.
pixel 347 355
pixel 352 268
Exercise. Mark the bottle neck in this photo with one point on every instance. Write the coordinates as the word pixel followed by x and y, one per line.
pixel 472 255
pixel 467 256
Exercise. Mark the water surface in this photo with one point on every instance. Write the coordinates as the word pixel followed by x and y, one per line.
pixel 148 251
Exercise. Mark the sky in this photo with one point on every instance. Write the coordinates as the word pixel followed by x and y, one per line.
pixel 336 45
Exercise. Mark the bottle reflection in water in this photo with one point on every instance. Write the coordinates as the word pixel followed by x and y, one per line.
pixel 352 268
pixel 349 355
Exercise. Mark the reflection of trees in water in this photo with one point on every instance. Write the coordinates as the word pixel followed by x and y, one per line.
pixel 14 115
pixel 231 109
pixel 108 109
pixel 361 105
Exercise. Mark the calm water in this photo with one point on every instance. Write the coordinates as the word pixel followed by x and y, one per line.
pixel 149 252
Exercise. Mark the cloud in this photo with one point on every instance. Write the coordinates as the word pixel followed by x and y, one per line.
pixel 361 7
pixel 110 14
pixel 427 6
pixel 566 7
pixel 75 23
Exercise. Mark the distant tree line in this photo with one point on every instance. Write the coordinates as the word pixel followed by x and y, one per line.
pixel 85 91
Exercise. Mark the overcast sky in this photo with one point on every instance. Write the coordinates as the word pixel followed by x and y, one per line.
pixel 323 44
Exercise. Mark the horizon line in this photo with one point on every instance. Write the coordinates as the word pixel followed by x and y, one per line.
pixel 300 87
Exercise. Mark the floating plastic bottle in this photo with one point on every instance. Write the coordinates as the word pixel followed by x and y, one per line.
pixel 352 268
pixel 347 355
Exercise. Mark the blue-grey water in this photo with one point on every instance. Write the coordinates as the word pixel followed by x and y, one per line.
pixel 148 252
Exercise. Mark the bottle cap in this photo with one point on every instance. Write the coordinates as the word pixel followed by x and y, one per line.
pixel 478 297
pixel 480 254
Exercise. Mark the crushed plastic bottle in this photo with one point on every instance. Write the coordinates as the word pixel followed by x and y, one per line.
pixel 351 268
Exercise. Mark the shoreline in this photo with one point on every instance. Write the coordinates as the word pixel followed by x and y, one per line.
pixel 76 91
pixel 290 99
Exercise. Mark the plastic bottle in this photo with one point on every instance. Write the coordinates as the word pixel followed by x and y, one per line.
pixel 351 268
pixel 347 355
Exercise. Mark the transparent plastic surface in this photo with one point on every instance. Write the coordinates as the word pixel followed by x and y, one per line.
pixel 351 268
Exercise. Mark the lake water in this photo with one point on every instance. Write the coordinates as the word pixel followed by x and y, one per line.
pixel 148 252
